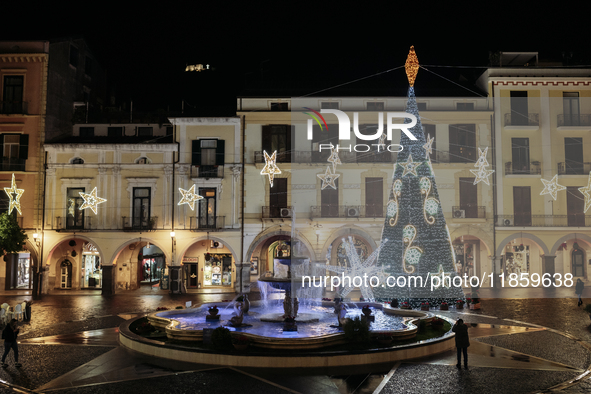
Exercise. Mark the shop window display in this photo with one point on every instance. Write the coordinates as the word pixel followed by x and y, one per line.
pixel 23 276
pixel 217 270
pixel 91 267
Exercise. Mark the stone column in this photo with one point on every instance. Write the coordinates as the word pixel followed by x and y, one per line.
pixel 496 267
pixel 245 268
pixel 108 280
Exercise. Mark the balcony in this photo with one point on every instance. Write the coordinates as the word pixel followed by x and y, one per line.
pixel 207 171
pixel 277 212
pixel 574 168
pixel 66 224
pixel 574 120
pixel 525 220
pixel 212 223
pixel 139 224
pixel 468 212
pixel 348 211
pixel 512 119
pixel 14 107
pixel 533 168
pixel 13 164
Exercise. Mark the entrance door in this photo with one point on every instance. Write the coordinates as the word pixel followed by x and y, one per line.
pixel 578 262
pixel 522 205
pixel 374 197
pixel 469 197
pixel 66 275
pixel 193 276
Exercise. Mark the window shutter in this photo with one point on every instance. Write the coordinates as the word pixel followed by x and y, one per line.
pixel 24 147
pixel 196 156
pixel 220 153
pixel 266 143
pixel 471 141
pixel 2 144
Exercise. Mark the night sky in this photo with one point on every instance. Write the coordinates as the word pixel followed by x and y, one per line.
pixel 145 48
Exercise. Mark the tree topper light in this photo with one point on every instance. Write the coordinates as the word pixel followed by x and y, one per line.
pixel 14 195
pixel 91 200
pixel 189 197
pixel 270 167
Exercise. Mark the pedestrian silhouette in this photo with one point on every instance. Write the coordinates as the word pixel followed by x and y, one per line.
pixel 579 290
pixel 462 342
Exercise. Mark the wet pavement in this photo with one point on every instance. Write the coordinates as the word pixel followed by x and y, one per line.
pixel 517 345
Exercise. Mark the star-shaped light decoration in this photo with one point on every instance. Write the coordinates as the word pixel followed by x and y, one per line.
pixel 482 174
pixel 91 200
pixel 334 158
pixel 552 187
pixel 270 167
pixel 359 268
pixel 72 206
pixel 587 193
pixel 328 179
pixel 410 167
pixel 429 146
pixel 482 162
pixel 189 197
pixel 14 195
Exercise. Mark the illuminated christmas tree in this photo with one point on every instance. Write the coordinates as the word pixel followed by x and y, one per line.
pixel 419 243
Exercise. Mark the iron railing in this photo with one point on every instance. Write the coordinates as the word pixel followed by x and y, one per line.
pixel 533 168
pixel 574 120
pixel 211 223
pixel 14 107
pixel 348 211
pixel 468 212
pixel 139 224
pixel 269 212
pixel 512 119
pixel 573 168
pixel 62 224
pixel 207 171
pixel 13 164
pixel 525 220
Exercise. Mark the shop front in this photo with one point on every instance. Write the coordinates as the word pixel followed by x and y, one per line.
pixel 217 269
pixel 92 270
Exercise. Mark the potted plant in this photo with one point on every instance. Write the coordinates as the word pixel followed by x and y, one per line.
pixel 444 306
pixel 162 308
pixel 475 301
pixel 240 342
pixel 460 304
pixel 12 241
pixel 404 305
pixel 424 306
pixel 437 323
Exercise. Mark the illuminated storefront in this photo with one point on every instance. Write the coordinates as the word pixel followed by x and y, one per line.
pixel 91 267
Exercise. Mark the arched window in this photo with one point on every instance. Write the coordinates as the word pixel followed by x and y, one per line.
pixel 578 261
pixel 143 160
pixel 77 160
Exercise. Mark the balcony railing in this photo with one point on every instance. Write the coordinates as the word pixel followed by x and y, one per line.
pixel 62 224
pixel 207 223
pixel 525 220
pixel 139 224
pixel 207 171
pixel 468 212
pixel 13 164
pixel 348 211
pixel 320 157
pixel 533 168
pixel 513 119
pixel 13 107
pixel 277 212
pixel 574 120
pixel 573 168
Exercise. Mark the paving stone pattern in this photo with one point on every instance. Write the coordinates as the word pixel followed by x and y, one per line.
pixel 562 350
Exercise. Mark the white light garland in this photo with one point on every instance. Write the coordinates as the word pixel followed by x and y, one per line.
pixel 91 200
pixel 14 194
pixel 189 197
pixel 552 187
pixel 270 167
pixel 587 193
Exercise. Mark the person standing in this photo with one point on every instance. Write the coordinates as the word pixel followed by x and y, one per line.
pixel 580 286
pixel 9 335
pixel 462 342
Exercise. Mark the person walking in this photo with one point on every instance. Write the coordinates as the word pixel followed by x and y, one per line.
pixel 579 290
pixel 9 335
pixel 462 342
